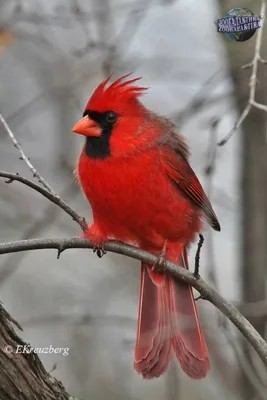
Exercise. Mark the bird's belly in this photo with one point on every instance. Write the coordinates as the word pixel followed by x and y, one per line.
pixel 137 205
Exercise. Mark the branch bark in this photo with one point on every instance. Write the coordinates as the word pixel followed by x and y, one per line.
pixel 206 291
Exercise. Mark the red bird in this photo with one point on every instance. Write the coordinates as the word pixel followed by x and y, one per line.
pixel 135 173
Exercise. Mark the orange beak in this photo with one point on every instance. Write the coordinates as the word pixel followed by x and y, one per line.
pixel 87 127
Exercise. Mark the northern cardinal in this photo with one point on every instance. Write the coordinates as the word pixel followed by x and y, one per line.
pixel 135 173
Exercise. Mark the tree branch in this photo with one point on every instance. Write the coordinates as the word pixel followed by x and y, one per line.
pixel 23 156
pixel 54 198
pixel 173 269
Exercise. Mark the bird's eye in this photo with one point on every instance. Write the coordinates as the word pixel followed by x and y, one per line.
pixel 111 116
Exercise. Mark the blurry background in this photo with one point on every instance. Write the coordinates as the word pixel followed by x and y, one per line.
pixel 52 55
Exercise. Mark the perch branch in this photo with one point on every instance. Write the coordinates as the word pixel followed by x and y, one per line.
pixel 173 269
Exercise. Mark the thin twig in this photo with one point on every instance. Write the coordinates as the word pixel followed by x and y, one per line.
pixel 198 101
pixel 50 196
pixel 253 79
pixel 209 172
pixel 134 19
pixel 23 156
pixel 197 256
pixel 171 268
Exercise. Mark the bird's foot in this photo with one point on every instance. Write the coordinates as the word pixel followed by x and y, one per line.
pixel 93 234
pixel 159 265
pixel 99 249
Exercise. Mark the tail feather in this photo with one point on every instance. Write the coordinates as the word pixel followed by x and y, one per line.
pixel 148 320
pixel 152 351
pixel 163 358
pixel 168 319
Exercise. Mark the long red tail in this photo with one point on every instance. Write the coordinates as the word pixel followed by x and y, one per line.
pixel 168 320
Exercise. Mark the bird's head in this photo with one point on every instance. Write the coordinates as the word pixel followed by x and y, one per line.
pixel 112 118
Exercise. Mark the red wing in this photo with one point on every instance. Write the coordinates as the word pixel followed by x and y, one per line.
pixel 184 178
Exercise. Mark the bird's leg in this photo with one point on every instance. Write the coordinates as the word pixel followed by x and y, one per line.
pixel 160 264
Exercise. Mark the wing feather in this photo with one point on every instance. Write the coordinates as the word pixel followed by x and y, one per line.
pixel 183 177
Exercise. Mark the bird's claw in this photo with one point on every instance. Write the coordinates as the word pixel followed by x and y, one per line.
pixel 99 250
pixel 159 265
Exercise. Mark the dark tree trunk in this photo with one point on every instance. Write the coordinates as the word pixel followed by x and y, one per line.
pixel 22 376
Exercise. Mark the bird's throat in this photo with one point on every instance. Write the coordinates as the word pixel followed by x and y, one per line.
pixel 97 147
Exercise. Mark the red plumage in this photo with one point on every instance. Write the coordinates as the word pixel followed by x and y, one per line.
pixel 141 188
